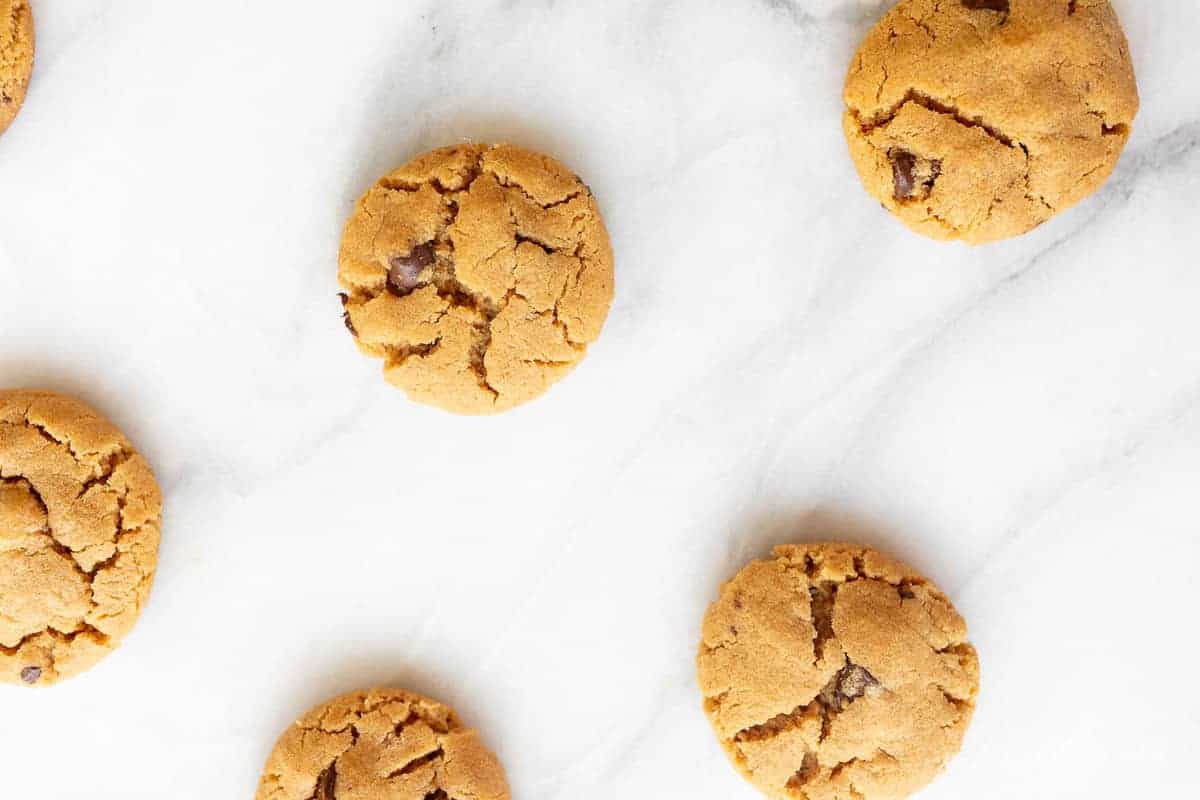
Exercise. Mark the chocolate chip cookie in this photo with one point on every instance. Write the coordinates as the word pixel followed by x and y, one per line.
pixel 981 119
pixel 79 531
pixel 833 672
pixel 478 273
pixel 16 57
pixel 385 743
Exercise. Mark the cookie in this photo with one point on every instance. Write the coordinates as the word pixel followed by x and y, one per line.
pixel 385 744
pixel 479 274
pixel 981 119
pixel 833 672
pixel 16 57
pixel 79 531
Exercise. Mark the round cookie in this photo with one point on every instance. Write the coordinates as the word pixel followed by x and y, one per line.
pixel 16 57
pixel 385 744
pixel 833 672
pixel 981 119
pixel 79 531
pixel 478 273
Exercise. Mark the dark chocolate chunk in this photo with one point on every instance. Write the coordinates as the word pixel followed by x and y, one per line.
pixel 31 674
pixel 849 684
pixel 903 173
pixel 405 272
pixel 913 176
pixel 987 5
pixel 853 681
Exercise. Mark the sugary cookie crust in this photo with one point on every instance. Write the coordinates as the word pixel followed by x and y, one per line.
pixel 832 672
pixel 385 744
pixel 79 531
pixel 981 119
pixel 16 57
pixel 479 274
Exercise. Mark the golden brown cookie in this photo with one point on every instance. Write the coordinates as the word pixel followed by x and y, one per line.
pixel 981 119
pixel 479 274
pixel 833 672
pixel 385 744
pixel 16 57
pixel 79 530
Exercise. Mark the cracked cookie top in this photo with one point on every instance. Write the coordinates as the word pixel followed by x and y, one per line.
pixel 833 672
pixel 79 531
pixel 16 57
pixel 478 273
pixel 981 119
pixel 385 744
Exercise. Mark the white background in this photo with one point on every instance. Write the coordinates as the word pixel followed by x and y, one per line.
pixel 783 361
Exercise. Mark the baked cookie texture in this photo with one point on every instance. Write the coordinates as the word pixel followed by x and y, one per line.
pixel 79 530
pixel 833 672
pixel 981 119
pixel 385 744
pixel 478 273
pixel 16 57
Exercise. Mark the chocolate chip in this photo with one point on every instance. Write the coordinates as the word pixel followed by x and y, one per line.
pixel 913 176
pixel 849 684
pixel 346 314
pixel 31 674
pixel 987 5
pixel 326 784
pixel 853 681
pixel 405 272
pixel 903 165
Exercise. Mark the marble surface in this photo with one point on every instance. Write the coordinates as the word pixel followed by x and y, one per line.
pixel 783 360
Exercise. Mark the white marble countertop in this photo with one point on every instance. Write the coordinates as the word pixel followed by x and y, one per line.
pixel 783 360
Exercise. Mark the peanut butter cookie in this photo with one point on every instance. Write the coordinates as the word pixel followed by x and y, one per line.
pixel 981 119
pixel 832 672
pixel 479 274
pixel 16 57
pixel 384 744
pixel 79 531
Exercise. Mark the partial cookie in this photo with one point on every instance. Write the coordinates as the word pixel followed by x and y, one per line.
pixel 833 672
pixel 79 531
pixel 478 273
pixel 981 119
pixel 16 57
pixel 385 744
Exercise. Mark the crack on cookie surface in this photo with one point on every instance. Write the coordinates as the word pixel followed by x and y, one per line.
pixel 417 763
pixel 326 787
pixel 810 768
pixel 999 6
pixel 779 724
pixel 822 596
pixel 931 103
